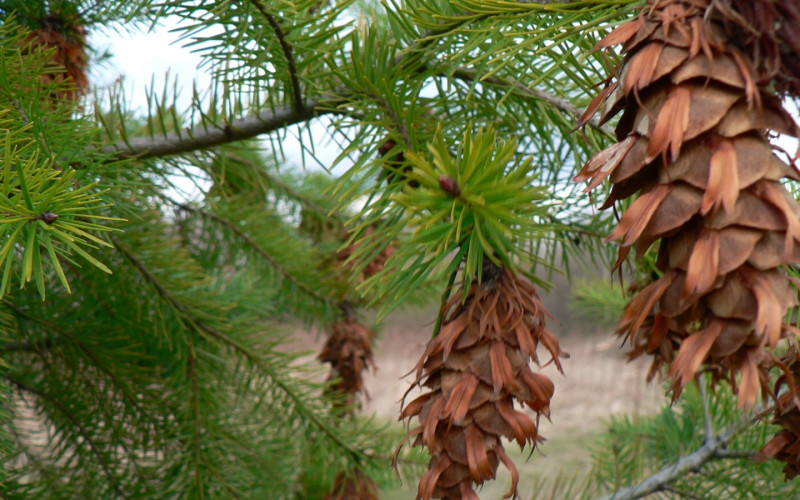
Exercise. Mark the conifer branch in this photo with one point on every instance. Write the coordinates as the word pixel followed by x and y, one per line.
pixel 516 87
pixel 287 54
pixel 87 436
pixel 286 188
pixel 207 135
pixel 191 322
pixel 32 345
pixel 715 448
pixel 63 335
pixel 260 250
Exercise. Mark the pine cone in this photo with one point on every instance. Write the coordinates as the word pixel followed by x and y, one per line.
pixel 395 167
pixel 785 445
pixel 768 31
pixel 355 486
pixel 374 266
pixel 693 145
pixel 68 39
pixel 475 369
pixel 349 351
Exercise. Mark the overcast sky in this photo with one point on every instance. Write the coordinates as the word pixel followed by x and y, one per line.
pixel 141 58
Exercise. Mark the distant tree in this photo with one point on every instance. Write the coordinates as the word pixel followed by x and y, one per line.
pixel 142 325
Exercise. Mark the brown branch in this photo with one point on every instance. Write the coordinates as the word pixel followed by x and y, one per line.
pixel 207 135
pixel 32 345
pixel 715 448
pixel 287 54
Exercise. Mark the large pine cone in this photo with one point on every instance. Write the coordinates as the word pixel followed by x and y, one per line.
pixel 694 145
pixel 349 351
pixel 475 369
pixel 785 445
pixel 768 31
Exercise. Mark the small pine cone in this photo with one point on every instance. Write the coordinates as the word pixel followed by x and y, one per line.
pixel 693 144
pixel 374 266
pixel 355 486
pixel 68 39
pixel 349 351
pixel 395 168
pixel 475 370
pixel 785 445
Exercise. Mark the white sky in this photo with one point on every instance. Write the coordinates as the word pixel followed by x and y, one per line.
pixel 141 58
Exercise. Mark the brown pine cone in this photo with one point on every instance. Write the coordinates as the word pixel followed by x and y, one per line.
pixel 356 486
pixel 68 39
pixel 694 145
pixel 785 445
pixel 349 351
pixel 476 369
pixel 768 31
pixel 374 266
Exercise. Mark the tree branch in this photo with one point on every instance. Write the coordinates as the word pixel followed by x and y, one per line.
pixel 287 53
pixel 516 87
pixel 190 321
pixel 32 345
pixel 209 135
pixel 260 250
pixel 304 200
pixel 714 448
pixel 77 423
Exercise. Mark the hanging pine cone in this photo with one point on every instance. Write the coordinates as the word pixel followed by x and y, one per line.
pixel 693 145
pixel 65 34
pixel 768 31
pixel 374 266
pixel 354 486
pixel 785 445
pixel 349 351
pixel 395 168
pixel 475 370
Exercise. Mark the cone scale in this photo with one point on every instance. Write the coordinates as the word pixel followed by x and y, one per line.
pixel 66 36
pixel 477 380
pixel 693 143
pixel 785 444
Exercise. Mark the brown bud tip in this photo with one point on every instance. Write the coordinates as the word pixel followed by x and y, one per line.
pixel 449 185
pixel 386 147
pixel 49 217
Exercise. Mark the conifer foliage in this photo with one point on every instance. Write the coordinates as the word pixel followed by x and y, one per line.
pixel 151 260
